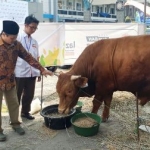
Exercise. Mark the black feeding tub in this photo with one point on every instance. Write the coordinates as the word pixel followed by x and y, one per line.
pixel 56 122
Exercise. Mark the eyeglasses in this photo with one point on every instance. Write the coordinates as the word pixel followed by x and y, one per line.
pixel 33 28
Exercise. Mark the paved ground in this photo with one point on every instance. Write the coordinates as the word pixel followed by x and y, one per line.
pixel 39 137
pixel 111 135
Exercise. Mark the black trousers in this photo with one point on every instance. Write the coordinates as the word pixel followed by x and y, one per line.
pixel 25 92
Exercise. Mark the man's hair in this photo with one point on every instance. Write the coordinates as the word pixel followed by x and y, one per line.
pixel 31 19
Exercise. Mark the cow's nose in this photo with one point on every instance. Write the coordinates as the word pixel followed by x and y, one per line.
pixel 67 111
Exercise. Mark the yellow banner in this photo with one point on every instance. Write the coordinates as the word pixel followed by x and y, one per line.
pixel 52 47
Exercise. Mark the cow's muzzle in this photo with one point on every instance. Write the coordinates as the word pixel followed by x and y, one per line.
pixel 63 111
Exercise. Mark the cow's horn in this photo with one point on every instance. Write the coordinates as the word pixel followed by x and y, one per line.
pixel 74 77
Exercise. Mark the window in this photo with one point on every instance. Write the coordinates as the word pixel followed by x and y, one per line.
pixel 112 11
pixel 71 12
pixel 62 12
pixel 69 5
pixel 80 13
pixel 113 16
pixel 59 4
pixel 101 9
pixel 78 6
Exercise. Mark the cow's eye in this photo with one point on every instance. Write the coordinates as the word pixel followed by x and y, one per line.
pixel 68 92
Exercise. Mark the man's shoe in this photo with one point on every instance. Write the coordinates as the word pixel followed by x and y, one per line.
pixel 27 115
pixel 19 130
pixel 2 137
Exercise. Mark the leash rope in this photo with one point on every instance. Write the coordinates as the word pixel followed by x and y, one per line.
pixel 41 91
pixel 137 115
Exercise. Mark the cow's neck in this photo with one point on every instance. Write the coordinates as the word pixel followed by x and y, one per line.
pixel 85 70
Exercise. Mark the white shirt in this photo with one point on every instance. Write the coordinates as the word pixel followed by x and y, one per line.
pixel 23 69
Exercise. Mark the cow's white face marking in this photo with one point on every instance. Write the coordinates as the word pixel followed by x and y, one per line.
pixel 68 89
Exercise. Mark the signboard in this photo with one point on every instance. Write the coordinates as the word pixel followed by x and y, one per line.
pixel 80 35
pixel 51 40
pixel 13 10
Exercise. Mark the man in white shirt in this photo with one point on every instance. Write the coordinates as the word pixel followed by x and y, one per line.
pixel 24 73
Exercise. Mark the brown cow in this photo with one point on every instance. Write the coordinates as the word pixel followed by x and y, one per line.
pixel 107 65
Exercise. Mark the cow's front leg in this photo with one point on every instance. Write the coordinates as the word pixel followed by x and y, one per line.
pixel 97 102
pixel 107 103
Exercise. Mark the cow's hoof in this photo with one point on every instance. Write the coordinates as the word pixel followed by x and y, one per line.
pixel 141 103
pixel 104 119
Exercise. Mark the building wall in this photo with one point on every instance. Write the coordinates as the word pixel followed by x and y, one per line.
pixel 50 10
pixel 120 13
pixel 37 10
pixel 46 9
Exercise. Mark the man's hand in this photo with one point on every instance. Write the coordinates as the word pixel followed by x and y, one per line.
pixel 39 79
pixel 47 72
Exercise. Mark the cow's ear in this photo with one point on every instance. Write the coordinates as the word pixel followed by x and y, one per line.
pixel 81 82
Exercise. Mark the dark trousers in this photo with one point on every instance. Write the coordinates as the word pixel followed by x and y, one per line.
pixel 25 92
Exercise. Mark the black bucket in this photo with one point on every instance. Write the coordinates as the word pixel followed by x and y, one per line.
pixel 58 123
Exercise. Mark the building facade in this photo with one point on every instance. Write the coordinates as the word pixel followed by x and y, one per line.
pixel 85 10
pixel 78 11
pixel 35 7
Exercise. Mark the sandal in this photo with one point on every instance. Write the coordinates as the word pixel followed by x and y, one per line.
pixel 2 137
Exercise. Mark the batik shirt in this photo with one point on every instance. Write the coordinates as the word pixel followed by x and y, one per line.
pixel 8 58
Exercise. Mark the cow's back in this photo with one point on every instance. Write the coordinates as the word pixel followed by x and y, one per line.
pixel 120 63
pixel 131 62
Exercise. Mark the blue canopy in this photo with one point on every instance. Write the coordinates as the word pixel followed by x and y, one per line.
pixel 104 15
